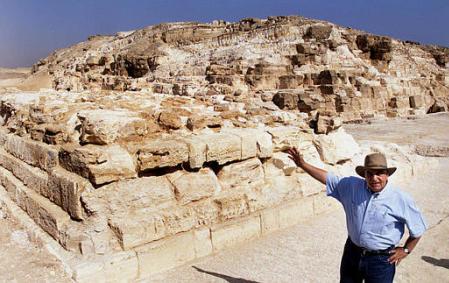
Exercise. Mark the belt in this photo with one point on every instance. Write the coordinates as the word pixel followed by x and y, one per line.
pixel 366 252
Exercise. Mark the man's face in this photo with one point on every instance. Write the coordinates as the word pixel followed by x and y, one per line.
pixel 376 179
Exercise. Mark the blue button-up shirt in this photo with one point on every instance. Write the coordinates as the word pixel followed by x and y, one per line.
pixel 375 221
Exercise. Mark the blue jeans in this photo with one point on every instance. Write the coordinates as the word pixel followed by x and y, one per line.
pixel 356 267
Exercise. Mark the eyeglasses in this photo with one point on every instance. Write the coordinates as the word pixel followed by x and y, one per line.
pixel 380 172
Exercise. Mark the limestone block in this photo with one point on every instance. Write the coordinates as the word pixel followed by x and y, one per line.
pixel 139 193
pixel 138 227
pixel 195 186
pixel 309 186
pixel 248 173
pixel 118 267
pixel 229 234
pixel 336 147
pixel 31 152
pixel 417 101
pixel 203 242
pixel 284 163
pixel 222 147
pixel 323 203
pixel 231 206
pixel 295 212
pixel 197 151
pixel 101 126
pixel 65 189
pixel 269 220
pixel 165 254
pixel 100 164
pixel 162 153
pixel 206 212
pixel 31 176
pixel 285 137
pixel 47 215
pixel 254 142
pixel 275 190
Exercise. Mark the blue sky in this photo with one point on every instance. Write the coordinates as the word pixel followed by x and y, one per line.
pixel 32 29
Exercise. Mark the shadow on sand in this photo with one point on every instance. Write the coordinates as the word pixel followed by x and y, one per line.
pixel 230 279
pixel 443 262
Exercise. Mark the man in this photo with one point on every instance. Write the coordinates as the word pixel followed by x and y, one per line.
pixel 376 213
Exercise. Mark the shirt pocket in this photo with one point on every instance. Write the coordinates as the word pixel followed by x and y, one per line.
pixel 381 220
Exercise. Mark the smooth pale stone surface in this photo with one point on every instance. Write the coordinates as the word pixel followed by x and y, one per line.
pixel 194 186
pixel 294 212
pixel 165 254
pixel 230 234
pixel 336 147
pixel 203 242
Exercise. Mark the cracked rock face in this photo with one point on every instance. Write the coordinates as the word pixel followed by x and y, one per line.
pixel 308 65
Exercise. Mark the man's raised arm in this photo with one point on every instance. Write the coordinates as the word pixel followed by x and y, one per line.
pixel 317 173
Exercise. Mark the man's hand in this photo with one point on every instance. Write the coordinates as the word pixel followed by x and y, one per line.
pixel 294 155
pixel 397 255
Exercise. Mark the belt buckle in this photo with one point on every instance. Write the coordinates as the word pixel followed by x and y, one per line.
pixel 364 252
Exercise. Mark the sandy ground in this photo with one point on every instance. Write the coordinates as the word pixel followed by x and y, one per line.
pixel 307 252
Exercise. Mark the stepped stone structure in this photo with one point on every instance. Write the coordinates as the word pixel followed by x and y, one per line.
pixel 163 145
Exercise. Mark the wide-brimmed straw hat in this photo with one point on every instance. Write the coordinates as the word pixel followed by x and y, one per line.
pixel 375 161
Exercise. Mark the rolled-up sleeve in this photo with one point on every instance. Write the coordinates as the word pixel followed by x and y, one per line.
pixel 332 182
pixel 413 218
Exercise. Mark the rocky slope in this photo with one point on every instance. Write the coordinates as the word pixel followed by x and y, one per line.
pixel 298 63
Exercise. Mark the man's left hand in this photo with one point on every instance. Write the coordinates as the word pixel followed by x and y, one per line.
pixel 397 255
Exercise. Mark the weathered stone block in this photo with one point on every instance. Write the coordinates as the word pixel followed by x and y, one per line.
pixel 416 101
pixel 336 147
pixel 248 173
pixel 31 152
pixel 229 234
pixel 195 186
pixel 138 227
pixel 286 100
pixel 47 215
pixel 162 153
pixel 65 189
pixel 285 137
pixel 165 254
pixel 31 176
pixel 139 193
pixel 222 147
pixel 197 151
pixel 102 126
pixel 283 162
pixel 231 206
pixel 295 212
pixel 254 142
pixel 99 164
pixel 206 212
